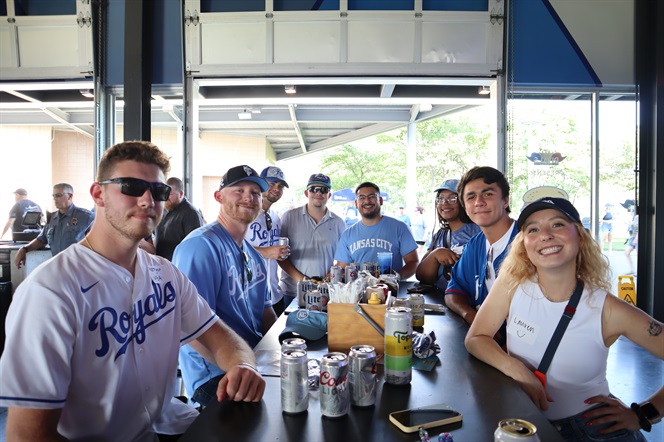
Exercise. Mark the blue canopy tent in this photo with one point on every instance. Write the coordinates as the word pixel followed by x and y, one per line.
pixel 348 194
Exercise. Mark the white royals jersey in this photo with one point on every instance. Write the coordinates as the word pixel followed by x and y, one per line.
pixel 86 336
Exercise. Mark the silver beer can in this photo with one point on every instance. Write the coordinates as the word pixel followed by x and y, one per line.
pixel 336 274
pixel 362 375
pixel 294 386
pixel 303 287
pixel 515 430
pixel 333 385
pixel 398 345
pixel 294 344
pixel 313 300
pixel 351 273
pixel 283 241
pixel 417 309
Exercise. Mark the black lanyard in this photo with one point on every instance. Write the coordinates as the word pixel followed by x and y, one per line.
pixel 568 314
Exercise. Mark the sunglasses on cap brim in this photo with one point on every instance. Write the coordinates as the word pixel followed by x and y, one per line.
pixel 136 187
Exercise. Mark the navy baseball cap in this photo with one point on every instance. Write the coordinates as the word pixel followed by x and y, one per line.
pixel 21 192
pixel 320 179
pixel 310 325
pixel 450 185
pixel 242 173
pixel 273 174
pixel 560 204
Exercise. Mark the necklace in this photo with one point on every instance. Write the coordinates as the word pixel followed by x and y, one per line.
pixel 87 241
pixel 553 300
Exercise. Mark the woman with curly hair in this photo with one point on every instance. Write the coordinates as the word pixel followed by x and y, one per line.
pixel 552 259
pixel 447 243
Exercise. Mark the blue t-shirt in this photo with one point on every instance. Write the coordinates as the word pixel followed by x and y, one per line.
pixel 452 240
pixel 215 264
pixel 360 243
pixel 468 274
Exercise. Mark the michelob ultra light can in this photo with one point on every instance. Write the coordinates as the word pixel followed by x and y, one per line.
pixel 362 375
pixel 398 345
pixel 294 385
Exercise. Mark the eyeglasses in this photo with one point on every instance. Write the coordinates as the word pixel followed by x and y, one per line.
pixel 318 189
pixel 268 220
pixel 363 198
pixel 250 275
pixel 136 187
pixel 60 195
pixel 452 200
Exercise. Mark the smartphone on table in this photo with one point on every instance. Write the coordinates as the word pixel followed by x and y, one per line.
pixel 409 421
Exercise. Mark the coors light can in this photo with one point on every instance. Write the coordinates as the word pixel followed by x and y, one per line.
pixel 335 274
pixel 294 344
pixel 351 273
pixel 398 346
pixel 362 375
pixel 294 387
pixel 334 395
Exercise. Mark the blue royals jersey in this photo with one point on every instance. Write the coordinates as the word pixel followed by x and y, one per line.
pixel 360 243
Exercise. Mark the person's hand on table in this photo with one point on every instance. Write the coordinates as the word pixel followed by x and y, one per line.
pixel 241 383
pixel 20 257
pixel 533 387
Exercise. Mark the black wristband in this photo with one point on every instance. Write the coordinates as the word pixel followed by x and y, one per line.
pixel 643 421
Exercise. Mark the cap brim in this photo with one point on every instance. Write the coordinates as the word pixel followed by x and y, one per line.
pixel 254 179
pixel 536 207
pixel 318 183
pixel 276 180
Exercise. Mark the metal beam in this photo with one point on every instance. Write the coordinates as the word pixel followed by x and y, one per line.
pixel 296 126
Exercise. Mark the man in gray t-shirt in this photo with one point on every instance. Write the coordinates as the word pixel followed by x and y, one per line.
pixel 313 232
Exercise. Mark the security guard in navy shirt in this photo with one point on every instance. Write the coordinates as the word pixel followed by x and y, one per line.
pixel 66 226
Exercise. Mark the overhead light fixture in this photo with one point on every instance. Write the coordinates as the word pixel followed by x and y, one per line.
pixel 484 90
pixel 426 107
pixel 87 93
pixel 244 115
pixel 290 89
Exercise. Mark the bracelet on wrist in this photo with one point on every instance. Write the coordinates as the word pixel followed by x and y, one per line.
pixel 643 421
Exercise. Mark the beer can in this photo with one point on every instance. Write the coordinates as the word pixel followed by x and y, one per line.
pixel 398 345
pixel 335 275
pixel 294 388
pixel 294 344
pixel 334 395
pixel 313 300
pixel 362 375
pixel 401 302
pixel 283 241
pixel 304 286
pixel 351 273
pixel 515 430
pixel 417 309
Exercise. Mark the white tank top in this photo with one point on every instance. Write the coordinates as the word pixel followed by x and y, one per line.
pixel 578 368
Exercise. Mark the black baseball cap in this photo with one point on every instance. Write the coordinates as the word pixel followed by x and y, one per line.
pixel 242 173
pixel 560 204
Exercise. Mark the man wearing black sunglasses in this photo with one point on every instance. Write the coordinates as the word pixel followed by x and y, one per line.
pixel 66 226
pixel 313 232
pixel 265 230
pixel 229 273
pixel 94 333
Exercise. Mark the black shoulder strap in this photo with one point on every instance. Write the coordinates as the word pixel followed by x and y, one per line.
pixel 567 316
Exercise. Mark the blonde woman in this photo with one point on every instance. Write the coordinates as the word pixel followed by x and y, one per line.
pixel 551 255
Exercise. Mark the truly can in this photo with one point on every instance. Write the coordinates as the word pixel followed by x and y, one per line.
pixel 333 385
pixel 283 241
pixel 336 274
pixel 294 344
pixel 294 386
pixel 313 300
pixel 362 375
pixel 515 430
pixel 398 345
pixel 351 273
pixel 417 309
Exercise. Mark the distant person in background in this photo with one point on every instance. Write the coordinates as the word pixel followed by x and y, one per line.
pixel 607 228
pixel 633 230
pixel 418 226
pixel 265 230
pixel 351 215
pixel 448 242
pixel 18 211
pixel 180 218
pixel 403 217
pixel 67 225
